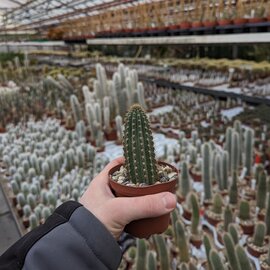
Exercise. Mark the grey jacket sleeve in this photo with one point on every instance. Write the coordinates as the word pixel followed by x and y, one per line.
pixel 81 242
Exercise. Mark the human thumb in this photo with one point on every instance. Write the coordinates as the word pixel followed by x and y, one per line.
pixel 128 209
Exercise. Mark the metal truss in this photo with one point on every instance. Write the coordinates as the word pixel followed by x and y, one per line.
pixel 38 14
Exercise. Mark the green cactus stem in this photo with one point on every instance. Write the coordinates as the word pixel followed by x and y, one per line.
pixel 162 252
pixel 185 180
pixel 231 255
pixel 228 143
pixel 261 191
pixel 76 108
pixel 225 169
pixel 139 149
pixel 215 260
pixel 267 215
pixel 195 219
pixel 218 172
pixel 235 152
pixel 249 141
pixel 208 246
pixel 217 204
pixel 244 210
pixel 141 255
pixel 242 258
pixel 151 261
pixel 233 192
pixel 232 230
pixel 206 176
pixel 259 234
pixel 182 242
pixel 228 217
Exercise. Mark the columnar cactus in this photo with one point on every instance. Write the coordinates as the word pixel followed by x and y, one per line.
pixel 215 260
pixel 218 172
pixel 232 230
pixel 233 192
pixel 217 204
pixel 231 255
pixel 185 180
pixel 228 217
pixel 76 108
pixel 235 152
pixel 225 169
pixel 267 215
pixel 242 258
pixel 261 191
pixel 102 80
pixel 195 219
pixel 206 176
pixel 228 143
pixel 141 254
pixel 151 261
pixel 244 210
pixel 33 220
pixel 141 95
pixel 249 141
pixel 259 234
pixel 162 252
pixel 182 242
pixel 208 246
pixel 119 127
pixel 139 147
pixel 238 128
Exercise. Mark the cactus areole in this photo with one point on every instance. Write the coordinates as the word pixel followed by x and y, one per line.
pixel 141 172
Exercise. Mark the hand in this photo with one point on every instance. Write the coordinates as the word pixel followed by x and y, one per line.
pixel 116 213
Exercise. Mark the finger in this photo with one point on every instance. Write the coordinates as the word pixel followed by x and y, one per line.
pixel 129 209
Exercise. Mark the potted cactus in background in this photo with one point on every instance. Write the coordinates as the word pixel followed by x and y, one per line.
pixel 141 174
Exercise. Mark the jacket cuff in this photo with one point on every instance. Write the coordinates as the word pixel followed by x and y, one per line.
pixel 97 237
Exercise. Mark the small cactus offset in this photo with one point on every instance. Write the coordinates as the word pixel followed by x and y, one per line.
pixel 185 180
pixel 229 246
pixel 259 234
pixel 244 210
pixel 249 141
pixel 162 252
pixel 261 191
pixel 139 147
pixel 228 217
pixel 216 263
pixel 242 258
pixel 206 176
pixel 182 242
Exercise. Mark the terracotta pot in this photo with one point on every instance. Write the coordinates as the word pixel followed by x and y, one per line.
pixel 197 177
pixel 239 21
pixel 112 136
pixel 254 250
pixel 143 228
pixel 209 23
pixel 247 228
pixel 26 223
pixel 100 149
pixel 197 24
pixel 196 241
pixel 213 218
pixel 224 22
pixel 185 25
pixel 2 130
pixel 187 214
pixel 256 20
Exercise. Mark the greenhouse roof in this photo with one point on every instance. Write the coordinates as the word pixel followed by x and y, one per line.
pixel 35 14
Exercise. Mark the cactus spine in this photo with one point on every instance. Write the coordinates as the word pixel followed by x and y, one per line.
pixel 182 242
pixel 139 147
pixel 261 191
pixel 215 260
pixel 185 180
pixel 259 234
pixel 206 176
pixel 229 246
pixel 162 252
pixel 242 258
pixel 249 141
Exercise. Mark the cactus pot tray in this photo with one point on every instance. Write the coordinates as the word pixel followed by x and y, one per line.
pixel 143 228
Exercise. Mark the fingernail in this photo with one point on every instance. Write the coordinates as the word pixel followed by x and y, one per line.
pixel 169 201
